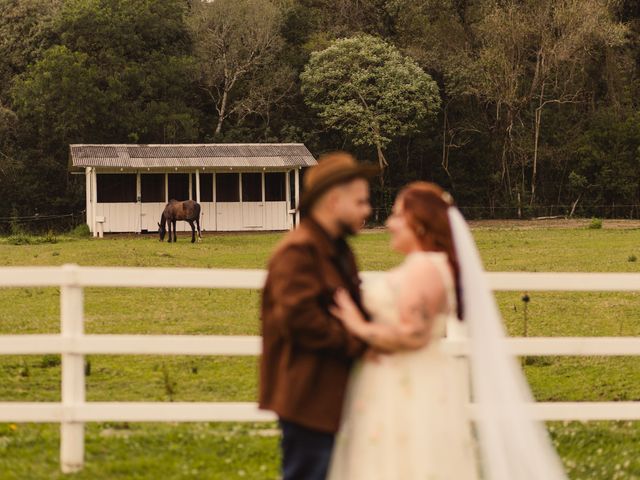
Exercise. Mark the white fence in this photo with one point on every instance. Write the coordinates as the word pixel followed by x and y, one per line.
pixel 73 411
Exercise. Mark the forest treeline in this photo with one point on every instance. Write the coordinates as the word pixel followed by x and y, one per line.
pixel 520 108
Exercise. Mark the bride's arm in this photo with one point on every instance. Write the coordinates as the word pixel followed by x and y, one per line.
pixel 422 296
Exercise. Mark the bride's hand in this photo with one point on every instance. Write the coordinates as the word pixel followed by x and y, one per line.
pixel 348 312
pixel 373 355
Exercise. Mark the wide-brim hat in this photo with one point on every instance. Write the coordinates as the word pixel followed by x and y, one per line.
pixel 333 169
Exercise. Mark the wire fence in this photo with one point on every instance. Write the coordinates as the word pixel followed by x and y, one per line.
pixel 41 223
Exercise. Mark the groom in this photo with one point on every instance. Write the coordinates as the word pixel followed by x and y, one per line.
pixel 307 354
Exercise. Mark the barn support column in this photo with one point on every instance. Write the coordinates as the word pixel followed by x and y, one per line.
pixel 297 192
pixel 88 204
pixel 166 187
pixel 264 198
pixel 198 185
pixel 287 196
pixel 213 213
pixel 139 200
pixel 94 200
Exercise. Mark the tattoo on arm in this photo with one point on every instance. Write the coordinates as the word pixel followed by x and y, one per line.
pixel 420 311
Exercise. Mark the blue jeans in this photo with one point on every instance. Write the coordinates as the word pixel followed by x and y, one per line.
pixel 306 453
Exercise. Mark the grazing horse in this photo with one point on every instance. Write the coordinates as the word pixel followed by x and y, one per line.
pixel 189 211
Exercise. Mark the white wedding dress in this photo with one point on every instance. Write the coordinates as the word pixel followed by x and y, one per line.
pixel 405 415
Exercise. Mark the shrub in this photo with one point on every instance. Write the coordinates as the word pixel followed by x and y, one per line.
pixel 81 231
pixel 50 237
pixel 596 224
pixel 25 239
pixel 19 239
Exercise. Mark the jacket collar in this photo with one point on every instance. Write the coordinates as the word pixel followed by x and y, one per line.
pixel 325 242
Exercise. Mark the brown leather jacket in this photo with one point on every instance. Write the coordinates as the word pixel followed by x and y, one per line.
pixel 307 354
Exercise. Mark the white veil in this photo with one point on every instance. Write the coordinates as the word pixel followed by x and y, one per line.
pixel 512 445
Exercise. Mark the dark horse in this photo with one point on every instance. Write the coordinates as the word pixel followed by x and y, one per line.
pixel 189 211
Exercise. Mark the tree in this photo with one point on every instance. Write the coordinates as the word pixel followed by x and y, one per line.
pixel 233 40
pixel 59 98
pixel 141 53
pixel 535 54
pixel 120 72
pixel 26 31
pixel 368 90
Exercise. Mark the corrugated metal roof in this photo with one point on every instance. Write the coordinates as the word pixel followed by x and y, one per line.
pixel 239 155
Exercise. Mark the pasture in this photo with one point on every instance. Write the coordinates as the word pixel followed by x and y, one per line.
pixel 595 450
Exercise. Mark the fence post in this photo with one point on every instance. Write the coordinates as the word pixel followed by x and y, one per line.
pixel 73 382
pixel 457 330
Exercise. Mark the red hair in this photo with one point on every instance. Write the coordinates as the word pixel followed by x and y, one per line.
pixel 426 207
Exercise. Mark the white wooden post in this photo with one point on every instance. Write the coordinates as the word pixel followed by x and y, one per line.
pixel 73 386
pixel 198 185
pixel 264 201
pixel 88 204
pixel 139 200
pixel 190 187
pixel 457 330
pixel 94 199
pixel 213 212
pixel 287 193
pixel 297 192
pixel 166 187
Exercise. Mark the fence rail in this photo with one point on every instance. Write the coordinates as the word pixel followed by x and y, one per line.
pixel 73 411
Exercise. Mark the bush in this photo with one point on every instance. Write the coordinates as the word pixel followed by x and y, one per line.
pixel 25 239
pixel 19 239
pixel 631 258
pixel 50 237
pixel 596 224
pixel 81 230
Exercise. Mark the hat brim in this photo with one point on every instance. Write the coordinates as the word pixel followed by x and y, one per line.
pixel 310 196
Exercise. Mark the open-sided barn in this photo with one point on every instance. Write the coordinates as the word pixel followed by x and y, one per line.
pixel 239 186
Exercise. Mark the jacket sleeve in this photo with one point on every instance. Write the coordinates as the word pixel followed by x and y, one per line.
pixel 299 309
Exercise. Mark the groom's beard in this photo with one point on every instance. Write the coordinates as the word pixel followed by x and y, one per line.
pixel 346 230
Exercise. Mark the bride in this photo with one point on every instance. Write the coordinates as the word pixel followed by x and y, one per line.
pixel 405 414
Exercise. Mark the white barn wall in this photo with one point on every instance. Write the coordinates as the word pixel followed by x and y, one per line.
pixel 151 215
pixel 119 217
pixel 276 216
pixel 223 216
pixel 208 216
pixel 229 216
pixel 253 215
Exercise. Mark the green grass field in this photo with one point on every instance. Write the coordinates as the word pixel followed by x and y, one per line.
pixel 597 450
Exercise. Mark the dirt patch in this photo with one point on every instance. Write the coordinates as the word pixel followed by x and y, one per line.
pixel 612 224
pixel 540 224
